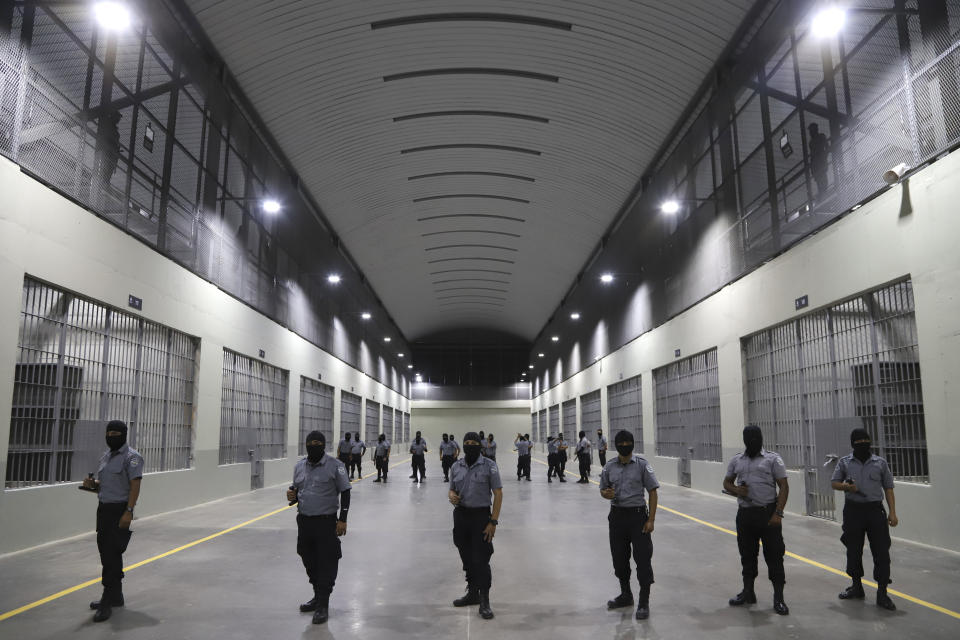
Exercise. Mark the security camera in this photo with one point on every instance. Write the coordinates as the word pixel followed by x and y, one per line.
pixel 892 176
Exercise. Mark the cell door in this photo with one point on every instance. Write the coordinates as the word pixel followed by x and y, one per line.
pixel 830 439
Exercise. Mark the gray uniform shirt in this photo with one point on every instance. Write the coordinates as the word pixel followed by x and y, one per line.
pixel 345 447
pixel 601 443
pixel 475 484
pixel 629 481
pixel 523 447
pixel 584 446
pixel 116 470
pixel 760 474
pixel 553 447
pixel 358 448
pixel 319 485
pixel 871 478
pixel 382 448
pixel 491 449
pixel 448 448
pixel 418 449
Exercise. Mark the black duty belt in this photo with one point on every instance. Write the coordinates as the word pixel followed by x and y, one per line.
pixel 617 509
pixel 755 507
pixel 326 516
pixel 473 509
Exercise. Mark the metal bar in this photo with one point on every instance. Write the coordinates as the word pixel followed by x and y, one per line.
pixel 58 397
pixel 105 366
pixel 770 162
pixel 171 131
pixel 166 401
pixel 26 43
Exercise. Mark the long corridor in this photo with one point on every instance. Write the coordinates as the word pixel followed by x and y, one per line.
pixel 552 573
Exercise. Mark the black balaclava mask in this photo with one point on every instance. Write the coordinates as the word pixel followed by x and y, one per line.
pixel 753 439
pixel 418 437
pixel 490 438
pixel 526 437
pixel 471 451
pixel 315 451
pixel 382 438
pixel 446 438
pixel 347 437
pixel 480 436
pixel 860 439
pixel 624 443
pixel 116 441
pixel 583 434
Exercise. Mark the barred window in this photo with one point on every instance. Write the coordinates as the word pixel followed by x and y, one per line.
pixel 316 412
pixel 569 417
pixel 542 424
pixel 590 419
pixel 554 418
pixel 388 422
pixel 406 427
pixel 371 425
pixel 855 363
pixel 688 408
pixel 625 409
pixel 534 430
pixel 350 407
pixel 81 364
pixel 253 410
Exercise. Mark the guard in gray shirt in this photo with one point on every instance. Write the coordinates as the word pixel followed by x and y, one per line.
pixel 449 450
pixel 553 459
pixel 319 486
pixel 623 481
pixel 418 449
pixel 356 456
pixel 490 450
pixel 381 458
pixel 584 458
pixel 523 446
pixel 866 479
pixel 754 477
pixel 601 448
pixel 472 481
pixel 118 484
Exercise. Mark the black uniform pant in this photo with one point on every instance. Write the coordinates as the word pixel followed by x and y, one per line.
pixel 584 459
pixel 603 458
pixel 319 548
pixel 553 465
pixel 626 531
pixel 380 463
pixel 356 464
pixel 112 541
pixel 475 552
pixel 523 466
pixel 753 526
pixel 866 519
pixel 562 461
pixel 446 462
pixel 419 467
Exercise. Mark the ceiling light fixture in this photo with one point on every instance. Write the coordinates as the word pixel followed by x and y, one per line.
pixel 399 355
pixel 409 366
pixel 670 207
pixel 540 355
pixel 386 339
pixel 365 315
pixel 113 16
pixel 555 338
pixel 828 22
pixel 606 278
pixel 529 366
pixel 271 206
pixel 574 316
pixel 333 278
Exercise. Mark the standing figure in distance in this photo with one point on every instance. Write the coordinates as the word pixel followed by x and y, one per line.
pixel 381 457
pixel 472 481
pixel 819 148
pixel 418 448
pixel 601 448
pixel 491 449
pixel 866 479
pixel 117 484
pixel 320 485
pixel 553 463
pixel 754 477
pixel 562 456
pixel 344 450
pixel 584 458
pixel 448 454
pixel 356 456
pixel 524 446
pixel 623 481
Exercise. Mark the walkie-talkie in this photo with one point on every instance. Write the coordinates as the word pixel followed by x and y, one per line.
pixel 295 500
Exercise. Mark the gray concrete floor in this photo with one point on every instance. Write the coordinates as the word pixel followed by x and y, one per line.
pixel 551 570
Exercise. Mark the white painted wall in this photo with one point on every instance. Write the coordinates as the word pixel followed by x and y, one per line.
pixel 503 418
pixel 47 236
pixel 881 242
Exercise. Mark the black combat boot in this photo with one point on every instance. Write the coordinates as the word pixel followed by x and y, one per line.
pixel 747 596
pixel 323 609
pixel 103 611
pixel 779 605
pixel 113 596
pixel 311 604
pixel 643 602
pixel 472 596
pixel 484 610
pixel 883 600
pixel 853 592
pixel 625 599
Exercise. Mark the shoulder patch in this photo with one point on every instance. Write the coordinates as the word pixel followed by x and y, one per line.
pixel 649 469
pixel 134 462
pixel 341 470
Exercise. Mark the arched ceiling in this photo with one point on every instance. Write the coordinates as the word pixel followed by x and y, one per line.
pixel 470 154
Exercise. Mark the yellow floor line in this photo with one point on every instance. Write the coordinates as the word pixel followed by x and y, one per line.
pixel 88 583
pixel 813 563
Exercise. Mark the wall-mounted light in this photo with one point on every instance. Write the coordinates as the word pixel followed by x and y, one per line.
pixel 113 16
pixel 670 207
pixel 892 176
pixel 574 316
pixel 271 206
pixel 606 278
pixel 828 22
pixel 333 278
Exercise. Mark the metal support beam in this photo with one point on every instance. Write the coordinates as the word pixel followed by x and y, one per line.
pixel 170 138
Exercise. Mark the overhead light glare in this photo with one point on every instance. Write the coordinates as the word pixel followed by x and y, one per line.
pixel 399 355
pixel 333 278
pixel 271 206
pixel 409 366
pixel 828 22
pixel 606 278
pixel 113 16
pixel 574 316
pixel 670 207
pixel 540 355
pixel 365 315
pixel 386 339
pixel 555 338
pixel 529 366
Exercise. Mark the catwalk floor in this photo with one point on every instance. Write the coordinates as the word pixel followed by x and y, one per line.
pixel 551 573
